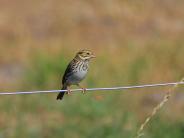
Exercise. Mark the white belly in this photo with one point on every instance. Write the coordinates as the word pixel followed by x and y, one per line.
pixel 77 77
pixel 79 74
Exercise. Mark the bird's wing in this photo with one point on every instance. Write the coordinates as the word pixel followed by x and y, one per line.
pixel 68 72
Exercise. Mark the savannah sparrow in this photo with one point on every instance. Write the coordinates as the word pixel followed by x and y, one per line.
pixel 76 71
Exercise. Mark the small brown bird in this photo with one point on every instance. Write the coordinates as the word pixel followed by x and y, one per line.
pixel 76 71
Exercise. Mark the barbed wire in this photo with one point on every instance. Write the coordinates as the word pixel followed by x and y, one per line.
pixel 95 89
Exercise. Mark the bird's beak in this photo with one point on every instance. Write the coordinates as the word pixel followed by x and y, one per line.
pixel 93 56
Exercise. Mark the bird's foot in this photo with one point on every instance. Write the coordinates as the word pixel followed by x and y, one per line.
pixel 68 91
pixel 84 90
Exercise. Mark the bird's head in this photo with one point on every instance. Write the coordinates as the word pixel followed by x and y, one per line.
pixel 85 55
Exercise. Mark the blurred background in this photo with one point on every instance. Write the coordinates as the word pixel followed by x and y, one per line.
pixel 136 42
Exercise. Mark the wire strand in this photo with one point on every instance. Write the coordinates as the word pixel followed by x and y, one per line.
pixel 95 89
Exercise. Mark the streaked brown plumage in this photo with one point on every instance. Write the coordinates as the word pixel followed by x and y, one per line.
pixel 76 71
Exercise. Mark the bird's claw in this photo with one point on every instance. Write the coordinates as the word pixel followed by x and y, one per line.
pixel 84 90
pixel 68 92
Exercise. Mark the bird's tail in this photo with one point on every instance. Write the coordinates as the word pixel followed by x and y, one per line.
pixel 61 94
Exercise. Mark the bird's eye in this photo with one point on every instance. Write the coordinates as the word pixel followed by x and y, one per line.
pixel 87 53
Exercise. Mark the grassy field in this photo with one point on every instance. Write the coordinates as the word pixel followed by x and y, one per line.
pixel 136 42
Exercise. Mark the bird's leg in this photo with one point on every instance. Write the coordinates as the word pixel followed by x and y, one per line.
pixel 83 89
pixel 68 91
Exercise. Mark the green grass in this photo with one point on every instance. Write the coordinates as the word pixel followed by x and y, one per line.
pixel 136 42
pixel 114 115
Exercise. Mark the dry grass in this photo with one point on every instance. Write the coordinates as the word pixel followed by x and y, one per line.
pixel 135 42
pixel 156 109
